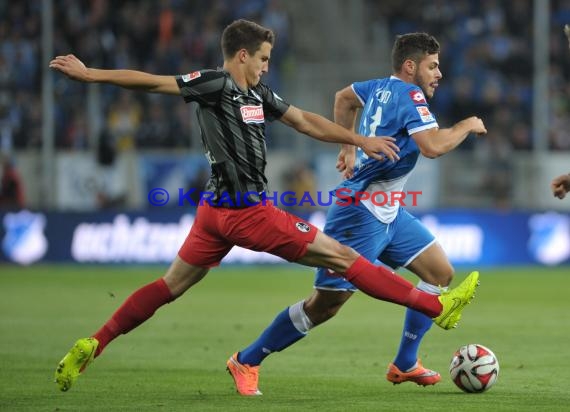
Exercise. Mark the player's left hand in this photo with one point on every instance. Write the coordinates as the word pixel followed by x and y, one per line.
pixel 71 66
pixel 380 148
pixel 567 33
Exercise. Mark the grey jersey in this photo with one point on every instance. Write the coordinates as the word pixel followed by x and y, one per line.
pixel 232 124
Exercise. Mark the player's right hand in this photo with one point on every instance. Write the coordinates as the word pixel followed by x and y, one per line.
pixel 560 186
pixel 71 66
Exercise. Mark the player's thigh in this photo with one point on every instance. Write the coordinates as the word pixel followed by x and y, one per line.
pixel 356 227
pixel 205 246
pixel 413 246
pixel 265 228
pixel 432 266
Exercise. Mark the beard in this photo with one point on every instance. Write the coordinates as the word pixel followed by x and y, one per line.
pixel 422 84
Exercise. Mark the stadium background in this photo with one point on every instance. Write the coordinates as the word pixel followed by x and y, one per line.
pixel 86 157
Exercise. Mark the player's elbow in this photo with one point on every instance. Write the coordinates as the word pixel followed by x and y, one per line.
pixel 344 100
pixel 338 96
pixel 431 152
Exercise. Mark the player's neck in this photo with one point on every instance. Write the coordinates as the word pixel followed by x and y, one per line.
pixel 237 75
pixel 404 77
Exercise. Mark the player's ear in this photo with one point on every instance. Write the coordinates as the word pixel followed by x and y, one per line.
pixel 242 55
pixel 410 67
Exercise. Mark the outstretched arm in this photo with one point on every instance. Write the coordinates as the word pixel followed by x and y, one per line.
pixel 74 68
pixel 560 186
pixel 436 142
pixel 323 129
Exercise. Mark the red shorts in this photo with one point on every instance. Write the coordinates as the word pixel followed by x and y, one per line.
pixel 263 228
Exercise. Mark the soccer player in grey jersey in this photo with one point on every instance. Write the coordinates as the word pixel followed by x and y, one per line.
pixel 233 133
pixel 232 109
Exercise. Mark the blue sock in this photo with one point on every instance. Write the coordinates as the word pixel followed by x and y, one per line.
pixel 415 327
pixel 282 333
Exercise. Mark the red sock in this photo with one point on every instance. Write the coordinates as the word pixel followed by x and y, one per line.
pixel 138 307
pixel 383 284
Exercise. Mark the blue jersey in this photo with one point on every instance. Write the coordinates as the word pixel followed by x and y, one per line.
pixel 394 108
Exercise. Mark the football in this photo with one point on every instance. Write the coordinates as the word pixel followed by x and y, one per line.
pixel 474 368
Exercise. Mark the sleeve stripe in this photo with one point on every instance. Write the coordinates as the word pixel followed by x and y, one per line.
pixel 422 128
pixel 362 102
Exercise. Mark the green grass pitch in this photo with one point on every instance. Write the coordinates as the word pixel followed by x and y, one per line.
pixel 176 361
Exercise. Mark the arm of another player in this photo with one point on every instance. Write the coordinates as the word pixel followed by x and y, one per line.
pixel 436 142
pixel 323 129
pixel 560 186
pixel 74 68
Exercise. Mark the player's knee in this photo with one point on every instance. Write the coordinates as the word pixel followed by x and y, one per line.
pixel 322 314
pixel 328 313
pixel 446 276
pixel 346 256
pixel 181 276
pixel 324 305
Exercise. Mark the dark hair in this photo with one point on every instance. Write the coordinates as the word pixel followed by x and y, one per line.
pixel 244 34
pixel 413 46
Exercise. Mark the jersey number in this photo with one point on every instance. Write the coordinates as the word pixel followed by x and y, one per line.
pixel 376 119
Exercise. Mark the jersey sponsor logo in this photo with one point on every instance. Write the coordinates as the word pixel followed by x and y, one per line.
pixel 190 76
pixel 303 227
pixel 252 114
pixel 417 97
pixel 425 114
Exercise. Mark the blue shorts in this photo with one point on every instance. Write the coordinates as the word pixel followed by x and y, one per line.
pixel 395 244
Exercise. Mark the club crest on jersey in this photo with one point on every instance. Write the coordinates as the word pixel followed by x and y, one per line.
pixel 425 114
pixel 190 76
pixel 303 227
pixel 417 97
pixel 252 114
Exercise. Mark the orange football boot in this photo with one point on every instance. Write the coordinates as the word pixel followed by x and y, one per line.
pixel 245 376
pixel 419 375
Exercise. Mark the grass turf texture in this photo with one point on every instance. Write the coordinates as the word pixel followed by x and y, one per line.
pixel 176 361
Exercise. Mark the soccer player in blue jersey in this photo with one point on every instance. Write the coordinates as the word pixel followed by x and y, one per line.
pixel 393 106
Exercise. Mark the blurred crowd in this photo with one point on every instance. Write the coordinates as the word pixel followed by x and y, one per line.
pixel 158 36
pixel 487 65
pixel 486 59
